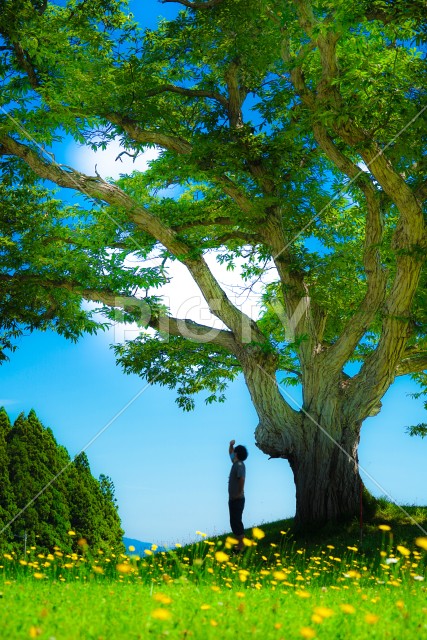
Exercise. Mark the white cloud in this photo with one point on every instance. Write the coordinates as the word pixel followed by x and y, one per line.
pixel 106 163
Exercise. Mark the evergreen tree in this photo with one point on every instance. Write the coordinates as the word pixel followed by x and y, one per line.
pixel 54 493
pixel 7 500
pixel 93 511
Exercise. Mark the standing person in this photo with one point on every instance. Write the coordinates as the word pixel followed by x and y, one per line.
pixel 236 494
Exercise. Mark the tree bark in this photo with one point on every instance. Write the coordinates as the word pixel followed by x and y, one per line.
pixel 326 473
pixel 320 442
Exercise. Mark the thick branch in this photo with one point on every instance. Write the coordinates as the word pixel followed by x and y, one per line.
pixel 414 363
pixel 173 326
pixel 195 5
pixel 191 93
pixel 172 143
pixel 376 277
pixel 242 326
pixel 235 99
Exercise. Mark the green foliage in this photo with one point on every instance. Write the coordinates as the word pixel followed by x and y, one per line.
pixel 44 494
pixel 225 172
pixel 175 362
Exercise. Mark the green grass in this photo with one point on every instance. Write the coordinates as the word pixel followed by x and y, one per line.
pixel 329 585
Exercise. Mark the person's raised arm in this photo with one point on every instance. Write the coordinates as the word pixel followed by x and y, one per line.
pixel 231 447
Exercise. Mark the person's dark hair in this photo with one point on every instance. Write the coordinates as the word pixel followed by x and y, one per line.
pixel 241 452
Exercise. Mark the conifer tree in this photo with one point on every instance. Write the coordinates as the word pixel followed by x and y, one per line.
pixel 55 494
pixel 7 500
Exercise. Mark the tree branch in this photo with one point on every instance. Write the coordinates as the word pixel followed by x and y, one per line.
pixel 195 5
pixel 172 143
pixel 191 93
pixel 235 100
pixel 160 322
pixel 376 277
pixel 414 363
pixel 242 326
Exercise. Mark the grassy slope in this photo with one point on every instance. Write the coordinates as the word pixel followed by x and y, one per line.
pixel 287 586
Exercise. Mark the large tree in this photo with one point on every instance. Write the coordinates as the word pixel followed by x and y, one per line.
pixel 293 134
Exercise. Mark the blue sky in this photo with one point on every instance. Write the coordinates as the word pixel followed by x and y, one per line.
pixel 170 468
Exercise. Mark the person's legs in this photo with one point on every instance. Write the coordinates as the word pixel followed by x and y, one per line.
pixel 236 511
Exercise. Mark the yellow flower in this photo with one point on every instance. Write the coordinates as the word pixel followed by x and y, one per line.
pixel 421 542
pixel 123 568
pixel 258 534
pixel 213 623
pixel 370 618
pixel 403 550
pixel 384 527
pixel 220 556
pixel 131 547
pixel 161 597
pixel 71 533
pixel 38 576
pixel 205 607
pixel 400 604
pixel 161 614
pixel 307 632
pixel 148 552
pixel 200 533
pixel 279 575
pixel 302 594
pixel 248 543
pixel 347 608
pixel 97 569
pixel 35 632
pixel 325 612
pixel 316 618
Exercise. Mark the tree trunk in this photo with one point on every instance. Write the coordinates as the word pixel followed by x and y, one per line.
pixel 326 473
pixel 322 452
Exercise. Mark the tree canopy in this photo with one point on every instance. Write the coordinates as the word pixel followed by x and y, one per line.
pixel 291 134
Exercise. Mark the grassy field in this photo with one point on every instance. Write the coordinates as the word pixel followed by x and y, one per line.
pixel 329 585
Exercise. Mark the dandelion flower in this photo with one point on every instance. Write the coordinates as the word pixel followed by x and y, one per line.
pixel 248 543
pixel 384 527
pixel 370 618
pixel 38 576
pixel 220 556
pixel 97 569
pixel 307 632
pixel 347 608
pixel 258 534
pixel 213 623
pixel 403 550
pixel 316 618
pixel 131 547
pixel 71 533
pixel 163 598
pixel 161 614
pixel 35 632
pixel 122 567
pixel 324 612
pixel 205 607
pixel 421 542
